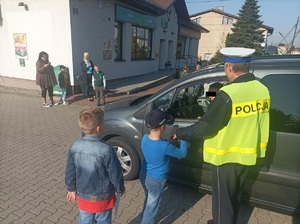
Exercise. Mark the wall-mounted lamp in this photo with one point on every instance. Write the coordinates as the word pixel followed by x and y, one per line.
pixel 23 4
pixel 101 3
pixel 173 33
pixel 165 31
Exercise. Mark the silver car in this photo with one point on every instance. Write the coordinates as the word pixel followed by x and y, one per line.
pixel 274 183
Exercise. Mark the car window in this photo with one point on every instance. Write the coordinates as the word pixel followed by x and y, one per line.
pixel 285 102
pixel 163 103
pixel 188 101
pixel 185 105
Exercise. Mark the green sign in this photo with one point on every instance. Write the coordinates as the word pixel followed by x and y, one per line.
pixel 164 24
pixel 22 62
pixel 128 15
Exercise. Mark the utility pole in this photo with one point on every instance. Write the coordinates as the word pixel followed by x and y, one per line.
pixel 294 37
pixel 290 44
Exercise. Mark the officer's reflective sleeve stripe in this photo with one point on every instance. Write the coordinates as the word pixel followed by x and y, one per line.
pixel 250 108
pixel 263 145
pixel 234 149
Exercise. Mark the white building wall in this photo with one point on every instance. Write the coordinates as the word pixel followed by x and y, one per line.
pixel 91 26
pixel 89 36
pixel 47 28
pixel 169 37
pixel 65 29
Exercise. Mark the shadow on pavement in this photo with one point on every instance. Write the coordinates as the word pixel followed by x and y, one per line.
pixel 175 203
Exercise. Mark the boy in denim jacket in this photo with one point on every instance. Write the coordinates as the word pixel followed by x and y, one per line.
pixel 93 171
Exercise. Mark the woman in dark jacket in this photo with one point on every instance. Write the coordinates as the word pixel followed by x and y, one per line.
pixel 45 78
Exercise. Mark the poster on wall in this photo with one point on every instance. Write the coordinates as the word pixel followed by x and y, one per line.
pixel 20 45
pixel 107 49
pixel 22 62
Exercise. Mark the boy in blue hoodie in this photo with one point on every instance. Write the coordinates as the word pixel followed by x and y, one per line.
pixel 155 166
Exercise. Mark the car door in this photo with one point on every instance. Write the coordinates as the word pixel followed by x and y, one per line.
pixel 276 178
pixel 187 104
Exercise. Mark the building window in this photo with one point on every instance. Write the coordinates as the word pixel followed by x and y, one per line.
pixel 197 20
pixel 207 56
pixel 227 21
pixel 118 40
pixel 180 47
pixel 141 44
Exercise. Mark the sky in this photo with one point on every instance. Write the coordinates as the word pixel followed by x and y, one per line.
pixel 282 15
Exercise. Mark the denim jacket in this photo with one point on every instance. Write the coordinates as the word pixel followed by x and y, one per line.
pixel 93 170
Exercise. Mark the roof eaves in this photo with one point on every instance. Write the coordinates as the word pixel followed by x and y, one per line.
pixel 144 6
pixel 192 25
pixel 184 18
pixel 196 25
pixel 161 4
pixel 270 29
pixel 216 11
pixel 181 10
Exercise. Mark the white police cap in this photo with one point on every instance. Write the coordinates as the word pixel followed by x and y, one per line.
pixel 237 54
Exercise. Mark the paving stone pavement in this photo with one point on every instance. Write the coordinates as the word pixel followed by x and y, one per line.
pixel 33 148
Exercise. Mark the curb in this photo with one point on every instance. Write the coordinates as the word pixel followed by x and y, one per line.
pixel 151 85
pixel 24 91
pixel 17 90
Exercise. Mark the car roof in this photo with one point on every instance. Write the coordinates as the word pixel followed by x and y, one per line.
pixel 260 67
pixel 266 62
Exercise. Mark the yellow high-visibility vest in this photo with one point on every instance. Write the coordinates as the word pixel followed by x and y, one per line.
pixel 246 135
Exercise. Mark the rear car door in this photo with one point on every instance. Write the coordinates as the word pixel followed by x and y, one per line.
pixel 278 182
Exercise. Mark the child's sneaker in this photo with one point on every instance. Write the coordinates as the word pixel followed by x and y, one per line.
pixel 65 103
pixel 53 104
pixel 98 105
pixel 46 105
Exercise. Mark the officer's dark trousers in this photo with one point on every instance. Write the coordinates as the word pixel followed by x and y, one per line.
pixel 227 185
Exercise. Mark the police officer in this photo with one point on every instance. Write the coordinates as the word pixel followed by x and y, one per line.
pixel 235 129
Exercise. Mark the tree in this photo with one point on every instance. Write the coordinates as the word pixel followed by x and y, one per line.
pixel 246 31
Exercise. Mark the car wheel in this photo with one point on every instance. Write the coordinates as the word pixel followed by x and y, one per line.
pixel 127 156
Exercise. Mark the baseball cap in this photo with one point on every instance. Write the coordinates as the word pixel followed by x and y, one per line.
pixel 237 54
pixel 156 118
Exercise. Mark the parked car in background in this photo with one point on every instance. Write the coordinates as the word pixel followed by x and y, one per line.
pixel 274 183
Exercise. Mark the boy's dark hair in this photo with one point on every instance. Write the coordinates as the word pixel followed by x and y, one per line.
pixel 62 67
pixel 216 86
pixel 89 119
